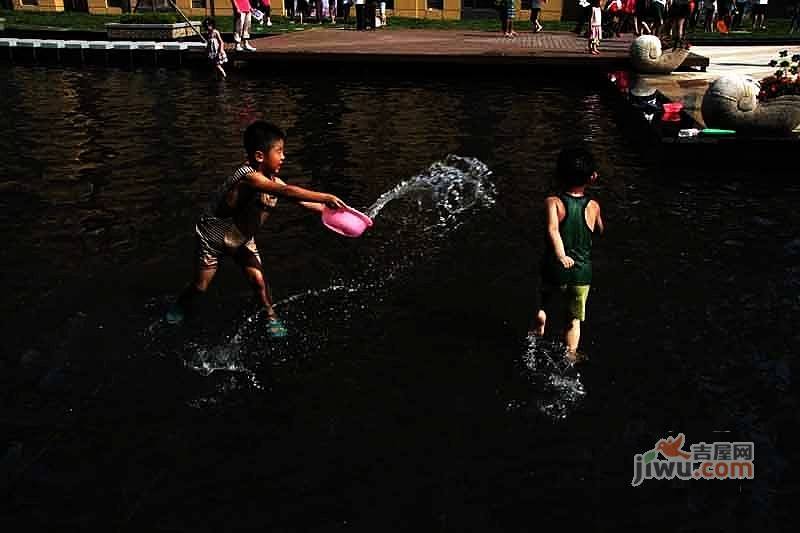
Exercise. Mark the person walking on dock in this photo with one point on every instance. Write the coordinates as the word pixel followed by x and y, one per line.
pixel 242 21
pixel 536 9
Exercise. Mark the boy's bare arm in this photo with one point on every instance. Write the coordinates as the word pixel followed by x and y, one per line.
pixel 261 183
pixel 555 236
pixel 314 206
pixel 598 219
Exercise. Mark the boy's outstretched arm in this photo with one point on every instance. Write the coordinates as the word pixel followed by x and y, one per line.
pixel 261 183
pixel 551 205
pixel 314 206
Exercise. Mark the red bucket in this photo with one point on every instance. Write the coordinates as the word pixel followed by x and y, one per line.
pixel 672 112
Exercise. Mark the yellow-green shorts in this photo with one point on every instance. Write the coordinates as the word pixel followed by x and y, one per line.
pixel 572 298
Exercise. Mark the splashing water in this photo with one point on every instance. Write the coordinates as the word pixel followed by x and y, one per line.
pixel 453 186
pixel 556 379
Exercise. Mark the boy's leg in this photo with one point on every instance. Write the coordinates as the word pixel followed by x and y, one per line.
pixel 205 268
pixel 248 259
pixel 572 337
pixel 250 262
pixel 539 322
pixel 576 296
pixel 198 287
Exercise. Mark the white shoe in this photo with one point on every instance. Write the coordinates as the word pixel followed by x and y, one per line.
pixel 269 23
pixel 249 47
pixel 238 47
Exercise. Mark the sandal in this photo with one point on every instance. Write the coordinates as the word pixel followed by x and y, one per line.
pixel 175 314
pixel 276 328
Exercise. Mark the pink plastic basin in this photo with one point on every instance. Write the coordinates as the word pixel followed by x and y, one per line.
pixel 346 221
pixel 673 107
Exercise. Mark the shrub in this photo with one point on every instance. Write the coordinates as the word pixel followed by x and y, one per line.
pixel 785 81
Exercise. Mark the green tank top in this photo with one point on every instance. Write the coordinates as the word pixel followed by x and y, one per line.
pixel 577 238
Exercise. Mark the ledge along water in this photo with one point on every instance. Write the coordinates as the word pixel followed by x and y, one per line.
pixel 458 49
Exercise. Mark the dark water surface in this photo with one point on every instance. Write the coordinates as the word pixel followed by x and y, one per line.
pixel 402 400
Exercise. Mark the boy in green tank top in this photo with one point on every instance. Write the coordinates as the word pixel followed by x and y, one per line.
pixel 566 267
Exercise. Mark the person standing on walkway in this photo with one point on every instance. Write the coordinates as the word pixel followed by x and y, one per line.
pixel 658 9
pixel 595 28
pixel 332 10
pixel 371 13
pixel 241 28
pixel 346 11
pixel 724 8
pixel 262 9
pixel 640 13
pixel 536 8
pixel 583 17
pixel 795 24
pixel 741 6
pixel 361 15
pixel 709 8
pixel 759 10
pixel 679 13
pixel 511 14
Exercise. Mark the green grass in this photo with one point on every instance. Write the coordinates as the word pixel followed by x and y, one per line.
pixel 65 20
pixel 776 29
pixel 487 24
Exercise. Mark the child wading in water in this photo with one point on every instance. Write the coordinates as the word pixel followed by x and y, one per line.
pixel 595 28
pixel 216 48
pixel 236 212
pixel 567 262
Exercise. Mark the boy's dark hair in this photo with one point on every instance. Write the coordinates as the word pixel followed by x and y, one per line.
pixel 209 22
pixel 261 135
pixel 575 166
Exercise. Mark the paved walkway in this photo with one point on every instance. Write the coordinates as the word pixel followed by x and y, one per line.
pixel 443 47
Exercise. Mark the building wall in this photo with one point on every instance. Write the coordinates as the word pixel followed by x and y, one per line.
pixel 100 7
pixel 42 5
pixel 419 9
pixel 551 11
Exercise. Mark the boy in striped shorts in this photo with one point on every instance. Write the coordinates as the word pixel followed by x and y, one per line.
pixel 236 212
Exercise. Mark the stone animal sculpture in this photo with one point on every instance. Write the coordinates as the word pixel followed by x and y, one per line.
pixel 731 102
pixel 647 56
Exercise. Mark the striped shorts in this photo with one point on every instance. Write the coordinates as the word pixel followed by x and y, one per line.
pixel 219 237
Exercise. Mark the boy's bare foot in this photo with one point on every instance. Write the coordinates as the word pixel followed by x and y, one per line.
pixel 576 356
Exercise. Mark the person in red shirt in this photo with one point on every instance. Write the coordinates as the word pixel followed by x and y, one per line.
pixel 627 16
